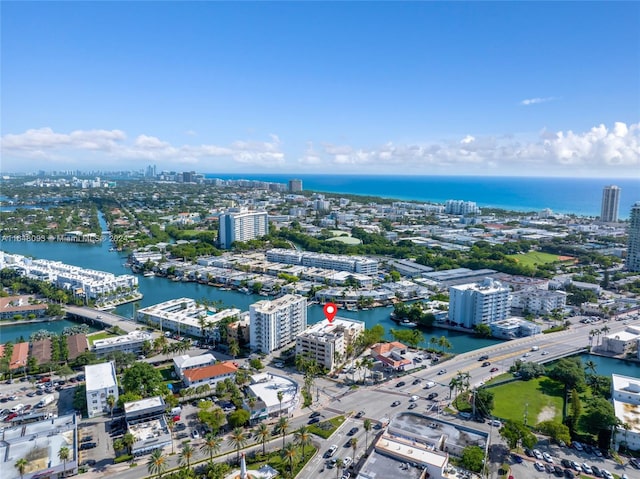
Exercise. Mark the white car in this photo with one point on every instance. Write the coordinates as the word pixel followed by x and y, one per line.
pixel 346 462
pixel 544 353
pixel 537 454
pixel 587 468
pixel 539 466
pixel 547 457
pixel 195 434
pixel 495 423
pixel 606 474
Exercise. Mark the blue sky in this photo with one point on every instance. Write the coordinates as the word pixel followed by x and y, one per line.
pixel 504 88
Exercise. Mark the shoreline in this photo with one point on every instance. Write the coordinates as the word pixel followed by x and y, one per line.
pixel 29 321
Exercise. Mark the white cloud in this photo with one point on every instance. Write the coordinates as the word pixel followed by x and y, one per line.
pixel 601 149
pixel 535 101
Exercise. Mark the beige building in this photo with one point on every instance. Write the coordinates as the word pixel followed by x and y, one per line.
pixel 324 341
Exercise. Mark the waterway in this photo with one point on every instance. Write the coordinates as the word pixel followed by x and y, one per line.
pixel 156 290
pixel 608 366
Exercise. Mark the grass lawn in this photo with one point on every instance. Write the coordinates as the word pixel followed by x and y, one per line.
pixel 533 258
pixel 324 429
pixel 275 460
pixel 541 397
pixel 101 335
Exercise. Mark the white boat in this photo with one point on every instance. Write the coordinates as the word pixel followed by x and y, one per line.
pixel 408 324
pixel 148 274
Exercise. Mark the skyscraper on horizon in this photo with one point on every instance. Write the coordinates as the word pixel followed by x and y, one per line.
pixel 633 246
pixel 610 202
pixel 295 185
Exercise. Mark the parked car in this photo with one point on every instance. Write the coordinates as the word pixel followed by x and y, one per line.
pixel 331 451
pixel 346 462
pixel 432 396
pixel 517 459
pixel 413 405
pixel 596 471
pixel 395 403
pixel 576 466
pixel 565 463
pixel 587 468
pixel 315 414
pixel 539 466
pixel 360 414
pixel 195 434
pixel 547 457
pixel 568 473
pixel 313 420
pixel 352 431
pixel 606 474
pixel 87 445
pixel 537 454
pixel 557 470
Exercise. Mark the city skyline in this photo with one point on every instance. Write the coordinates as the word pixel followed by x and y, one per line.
pixel 509 89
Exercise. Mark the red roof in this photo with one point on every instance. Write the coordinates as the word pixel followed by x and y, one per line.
pixel 384 348
pixel 19 356
pixel 210 372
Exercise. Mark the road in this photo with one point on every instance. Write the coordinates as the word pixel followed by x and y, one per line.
pixel 103 317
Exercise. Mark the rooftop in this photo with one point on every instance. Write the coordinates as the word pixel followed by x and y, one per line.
pixel 100 376
pixel 266 386
pixel 142 404
pixel 208 372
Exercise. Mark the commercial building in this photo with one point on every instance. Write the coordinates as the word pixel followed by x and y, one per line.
pixel 295 186
pixel 129 343
pixel 393 355
pixel 632 262
pixel 100 383
pixel 265 388
pixel 242 225
pixel 610 202
pixel 621 342
pixel 147 423
pixel 186 317
pixel 478 303
pixel 275 324
pixel 625 394
pixel 39 443
pixel 325 341
pixel 512 328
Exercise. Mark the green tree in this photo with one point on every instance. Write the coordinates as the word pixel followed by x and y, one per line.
pixel 302 437
pixel 111 402
pixel 262 434
pixel 186 455
pixel 64 454
pixel 142 378
pixel 339 467
pixel 473 458
pixel 575 410
pixel 21 465
pixel 157 464
pixel 128 440
pixel 354 446
pixel 281 426
pixel 213 418
pixel 290 453
pixel 482 330
pixel 556 430
pixel 234 348
pixel 484 402
pixel 515 433
pixel 211 445
pixel 238 418
pixel 367 427
pixel 238 440
pixel 600 416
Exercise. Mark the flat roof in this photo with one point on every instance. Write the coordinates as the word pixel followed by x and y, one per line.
pixel 100 376
pixel 379 466
pixel 409 451
pixel 268 390
pixel 142 404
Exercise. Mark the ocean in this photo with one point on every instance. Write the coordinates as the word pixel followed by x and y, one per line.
pixel 580 196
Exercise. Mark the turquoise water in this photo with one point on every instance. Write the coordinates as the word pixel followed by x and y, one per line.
pixel 581 196
pixel 13 333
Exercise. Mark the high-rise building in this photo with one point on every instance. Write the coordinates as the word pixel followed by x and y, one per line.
pixel 633 246
pixel 275 324
pixel 610 202
pixel 478 303
pixel 326 342
pixel 295 185
pixel 242 225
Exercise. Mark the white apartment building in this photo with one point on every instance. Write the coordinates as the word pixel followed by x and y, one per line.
pixel 478 303
pixel 129 343
pixel 87 282
pixel 460 207
pixel 354 264
pixel 242 225
pixel 538 301
pixel 275 324
pixel 625 395
pixel 186 316
pixel 323 341
pixel 100 384
pixel 185 362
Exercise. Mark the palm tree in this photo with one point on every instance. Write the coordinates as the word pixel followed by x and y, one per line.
pixel 339 466
pixel 129 440
pixel 433 342
pixel 211 446
pixel 63 455
pixel 111 402
pixel 263 433
pixel 302 437
pixel 354 446
pixel 238 439
pixel 186 455
pixel 290 452
pixel 234 348
pixel 367 427
pixel 590 366
pixel 280 398
pixel 157 463
pixel 453 385
pixel 21 466
pixel 605 329
pixel 281 427
pixel 118 445
pixel 171 426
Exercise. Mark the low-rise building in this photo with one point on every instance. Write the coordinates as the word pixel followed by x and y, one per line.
pixel 210 375
pixel 324 342
pixel 186 316
pixel 39 443
pixel 621 342
pixel 239 330
pixel 625 394
pixel 392 355
pixel 129 343
pixel 147 423
pixel 100 383
pixel 21 307
pixel 512 328
pixel 265 388
pixel 184 363
pixel 538 301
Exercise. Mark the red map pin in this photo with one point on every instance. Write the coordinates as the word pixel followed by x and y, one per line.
pixel 330 311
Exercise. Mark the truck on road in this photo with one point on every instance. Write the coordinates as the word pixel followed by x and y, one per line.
pixel 46 400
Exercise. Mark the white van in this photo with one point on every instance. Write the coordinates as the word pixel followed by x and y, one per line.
pixel 429 384
pixel 414 398
pixel 17 407
pixel 535 348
